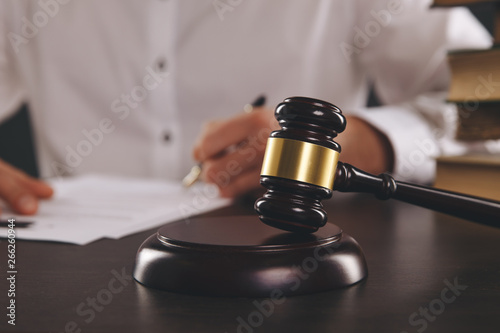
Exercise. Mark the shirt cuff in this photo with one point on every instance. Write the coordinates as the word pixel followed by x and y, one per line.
pixel 413 143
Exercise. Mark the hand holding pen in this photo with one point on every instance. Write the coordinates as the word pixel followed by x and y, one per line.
pixel 194 174
pixel 230 151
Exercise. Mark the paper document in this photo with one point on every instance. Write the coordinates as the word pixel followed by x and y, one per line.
pixel 87 208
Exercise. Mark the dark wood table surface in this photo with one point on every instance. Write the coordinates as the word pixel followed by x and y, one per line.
pixel 427 273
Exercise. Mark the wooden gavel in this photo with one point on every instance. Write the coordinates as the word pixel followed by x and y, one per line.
pixel 301 168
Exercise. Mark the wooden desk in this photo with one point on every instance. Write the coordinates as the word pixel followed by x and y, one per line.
pixel 413 254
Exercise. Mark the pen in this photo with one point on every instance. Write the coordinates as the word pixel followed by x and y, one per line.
pixel 17 224
pixel 195 172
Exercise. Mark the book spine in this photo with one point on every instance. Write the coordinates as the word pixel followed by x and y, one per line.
pixel 496 33
pixel 457 3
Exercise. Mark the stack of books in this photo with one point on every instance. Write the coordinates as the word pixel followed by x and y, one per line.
pixel 475 84
pixel 477 175
pixel 475 89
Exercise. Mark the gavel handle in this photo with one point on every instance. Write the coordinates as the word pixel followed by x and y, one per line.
pixel 351 179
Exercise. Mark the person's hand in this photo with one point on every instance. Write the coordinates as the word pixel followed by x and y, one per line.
pixel 365 147
pixel 232 151
pixel 20 191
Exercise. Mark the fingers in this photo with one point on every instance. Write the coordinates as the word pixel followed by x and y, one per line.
pixel 17 197
pixel 232 151
pixel 231 186
pixel 39 188
pixel 20 191
pixel 217 136
pixel 243 184
pixel 231 170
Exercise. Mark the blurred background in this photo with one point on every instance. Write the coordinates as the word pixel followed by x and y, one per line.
pixel 16 141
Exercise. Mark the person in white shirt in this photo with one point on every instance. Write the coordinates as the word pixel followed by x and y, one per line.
pixel 124 86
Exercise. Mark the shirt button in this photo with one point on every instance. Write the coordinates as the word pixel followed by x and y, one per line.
pixel 161 64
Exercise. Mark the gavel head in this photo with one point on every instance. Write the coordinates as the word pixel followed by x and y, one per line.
pixel 299 164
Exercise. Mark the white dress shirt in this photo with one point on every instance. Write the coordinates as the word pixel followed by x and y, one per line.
pixel 123 86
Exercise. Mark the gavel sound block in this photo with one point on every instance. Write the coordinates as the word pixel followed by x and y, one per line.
pixel 240 256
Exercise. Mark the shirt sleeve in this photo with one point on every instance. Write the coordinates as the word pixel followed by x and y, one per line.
pixel 11 92
pixel 407 64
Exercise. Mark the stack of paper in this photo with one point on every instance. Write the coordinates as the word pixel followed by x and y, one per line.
pixel 88 208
